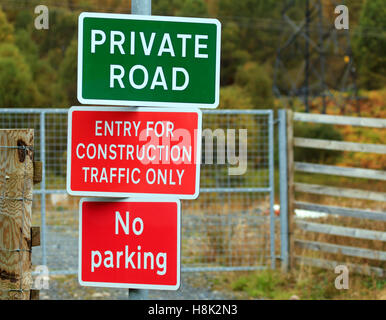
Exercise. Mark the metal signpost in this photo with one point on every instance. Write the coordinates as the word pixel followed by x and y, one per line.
pixel 143 8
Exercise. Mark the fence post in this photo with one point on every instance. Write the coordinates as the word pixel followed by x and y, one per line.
pixel 283 183
pixel 16 185
pixel 290 183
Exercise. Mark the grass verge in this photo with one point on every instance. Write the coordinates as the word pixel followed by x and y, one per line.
pixel 304 282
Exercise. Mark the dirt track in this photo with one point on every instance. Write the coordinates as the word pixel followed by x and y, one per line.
pixel 66 287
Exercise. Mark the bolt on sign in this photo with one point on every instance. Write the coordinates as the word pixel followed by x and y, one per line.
pixel 129 243
pixel 135 60
pixel 124 152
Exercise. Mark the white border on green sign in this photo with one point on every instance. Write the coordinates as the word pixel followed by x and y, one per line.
pixel 147 103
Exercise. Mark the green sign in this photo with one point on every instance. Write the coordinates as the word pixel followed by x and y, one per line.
pixel 156 61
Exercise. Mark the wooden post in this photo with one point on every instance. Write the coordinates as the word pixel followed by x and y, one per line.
pixel 16 184
pixel 291 194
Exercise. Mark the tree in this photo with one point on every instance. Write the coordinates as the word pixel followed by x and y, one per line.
pixel 49 86
pixel 68 72
pixel 6 29
pixel 232 54
pixel 192 8
pixel 26 45
pixel 187 8
pixel 370 45
pixel 257 83
pixel 17 89
pixel 62 29
pixel 258 26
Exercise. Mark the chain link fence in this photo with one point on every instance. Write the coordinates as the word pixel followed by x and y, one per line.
pixel 230 226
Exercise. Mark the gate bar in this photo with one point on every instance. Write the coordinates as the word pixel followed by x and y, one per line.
pixel 283 178
pixel 272 187
pixel 43 186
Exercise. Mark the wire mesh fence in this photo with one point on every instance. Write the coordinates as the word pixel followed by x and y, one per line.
pixel 230 226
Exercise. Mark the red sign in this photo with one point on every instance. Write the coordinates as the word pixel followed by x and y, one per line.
pixel 129 243
pixel 124 152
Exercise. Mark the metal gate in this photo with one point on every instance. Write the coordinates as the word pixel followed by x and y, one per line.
pixel 232 224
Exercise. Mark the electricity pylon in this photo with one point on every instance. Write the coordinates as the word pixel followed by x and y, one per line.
pixel 314 57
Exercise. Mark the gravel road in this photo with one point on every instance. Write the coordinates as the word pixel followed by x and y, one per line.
pixel 62 254
pixel 67 288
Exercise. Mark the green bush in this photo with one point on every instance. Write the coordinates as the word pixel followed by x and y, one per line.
pixel 369 51
pixel 316 131
pixel 6 29
pixel 257 82
pixel 17 88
